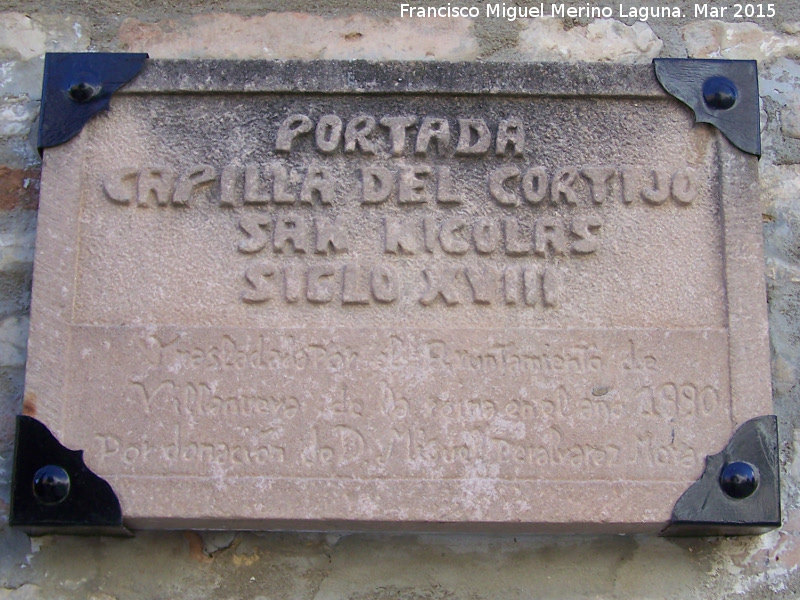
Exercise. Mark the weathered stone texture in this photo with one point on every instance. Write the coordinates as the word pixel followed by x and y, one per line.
pixel 19 188
pixel 779 84
pixel 302 36
pixel 737 41
pixel 23 41
pixel 13 341
pixel 17 116
pixel 604 40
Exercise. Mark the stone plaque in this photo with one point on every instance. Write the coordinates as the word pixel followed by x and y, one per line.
pixel 352 295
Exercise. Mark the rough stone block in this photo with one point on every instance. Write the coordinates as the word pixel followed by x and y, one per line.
pixel 17 116
pixel 13 341
pixel 602 40
pixel 302 36
pixel 19 188
pixel 737 41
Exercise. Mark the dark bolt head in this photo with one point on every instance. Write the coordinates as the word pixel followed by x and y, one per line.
pixel 738 480
pixel 719 93
pixel 82 91
pixel 51 484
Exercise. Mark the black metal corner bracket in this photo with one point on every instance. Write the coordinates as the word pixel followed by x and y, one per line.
pixel 53 491
pixel 739 492
pixel 77 86
pixel 723 93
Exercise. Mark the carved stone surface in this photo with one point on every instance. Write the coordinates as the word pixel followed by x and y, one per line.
pixel 311 295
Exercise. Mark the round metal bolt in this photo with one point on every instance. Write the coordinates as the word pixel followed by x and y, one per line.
pixel 83 92
pixel 738 480
pixel 719 93
pixel 51 484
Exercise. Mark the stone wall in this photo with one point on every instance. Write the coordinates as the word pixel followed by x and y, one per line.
pixel 291 565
